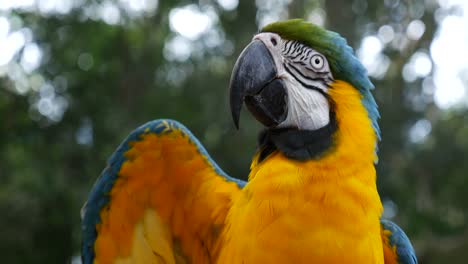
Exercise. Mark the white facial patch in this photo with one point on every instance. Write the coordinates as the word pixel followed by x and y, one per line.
pixel 307 109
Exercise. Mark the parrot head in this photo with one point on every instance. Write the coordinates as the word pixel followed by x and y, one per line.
pixel 285 77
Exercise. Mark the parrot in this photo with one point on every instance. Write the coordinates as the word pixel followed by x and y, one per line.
pixel 311 194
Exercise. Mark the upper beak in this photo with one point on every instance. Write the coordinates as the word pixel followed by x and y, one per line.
pixel 254 80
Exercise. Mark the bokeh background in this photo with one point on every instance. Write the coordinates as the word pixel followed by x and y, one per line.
pixel 76 76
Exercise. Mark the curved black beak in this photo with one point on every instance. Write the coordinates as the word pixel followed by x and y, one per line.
pixel 254 80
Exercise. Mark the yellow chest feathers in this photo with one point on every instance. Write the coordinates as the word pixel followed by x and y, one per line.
pixel 318 211
pixel 296 218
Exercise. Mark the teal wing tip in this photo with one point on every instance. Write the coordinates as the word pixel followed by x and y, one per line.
pixel 99 195
pixel 398 238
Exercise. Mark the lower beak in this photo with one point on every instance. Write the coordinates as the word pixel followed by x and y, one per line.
pixel 254 81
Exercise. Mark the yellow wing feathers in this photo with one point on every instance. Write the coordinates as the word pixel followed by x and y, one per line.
pixel 167 201
pixel 151 243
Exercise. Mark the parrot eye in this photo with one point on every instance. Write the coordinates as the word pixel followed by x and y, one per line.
pixel 317 62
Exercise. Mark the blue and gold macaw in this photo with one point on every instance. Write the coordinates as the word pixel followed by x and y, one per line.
pixel 311 196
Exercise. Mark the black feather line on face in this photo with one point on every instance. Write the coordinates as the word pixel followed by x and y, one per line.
pixel 308 86
pixel 295 56
pixel 287 47
pixel 314 76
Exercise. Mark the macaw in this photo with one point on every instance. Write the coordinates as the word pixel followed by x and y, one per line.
pixel 311 194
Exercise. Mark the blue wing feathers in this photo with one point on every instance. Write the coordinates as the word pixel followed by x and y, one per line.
pixel 398 238
pixel 99 195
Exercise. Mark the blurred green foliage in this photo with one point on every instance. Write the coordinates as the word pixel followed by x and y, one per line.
pixel 100 77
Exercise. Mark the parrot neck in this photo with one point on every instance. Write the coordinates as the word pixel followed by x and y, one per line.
pixel 297 144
